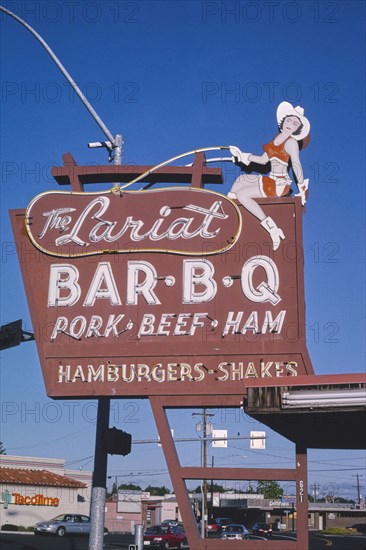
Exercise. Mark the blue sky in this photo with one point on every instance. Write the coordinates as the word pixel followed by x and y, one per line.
pixel 171 77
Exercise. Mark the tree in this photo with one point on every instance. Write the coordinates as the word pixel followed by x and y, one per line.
pixel 216 488
pixel 250 489
pixel 344 500
pixel 2 449
pixel 269 489
pixel 129 487
pixel 157 491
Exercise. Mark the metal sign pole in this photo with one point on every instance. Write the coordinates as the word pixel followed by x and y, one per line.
pixel 139 536
pixel 98 496
pixel 99 478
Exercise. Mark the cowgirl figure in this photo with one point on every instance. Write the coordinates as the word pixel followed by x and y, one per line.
pixel 283 149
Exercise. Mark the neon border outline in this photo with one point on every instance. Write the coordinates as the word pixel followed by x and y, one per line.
pixel 128 251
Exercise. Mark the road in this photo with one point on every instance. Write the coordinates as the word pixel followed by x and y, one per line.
pixel 15 541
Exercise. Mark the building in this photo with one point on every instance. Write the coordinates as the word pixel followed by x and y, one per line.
pixel 325 515
pixel 138 507
pixel 37 489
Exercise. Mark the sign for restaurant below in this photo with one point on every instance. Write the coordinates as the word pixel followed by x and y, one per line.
pixel 26 500
pixel 161 292
pixel 130 501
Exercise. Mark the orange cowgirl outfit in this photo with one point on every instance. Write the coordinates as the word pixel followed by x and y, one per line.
pixel 274 185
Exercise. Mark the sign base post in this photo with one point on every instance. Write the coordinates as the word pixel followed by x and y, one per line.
pixel 98 495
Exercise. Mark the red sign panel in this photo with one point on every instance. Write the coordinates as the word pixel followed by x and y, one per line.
pixel 170 291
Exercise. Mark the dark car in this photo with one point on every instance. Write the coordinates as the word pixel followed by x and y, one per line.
pixel 262 529
pixel 164 536
pixel 359 527
pixel 173 522
pixel 223 522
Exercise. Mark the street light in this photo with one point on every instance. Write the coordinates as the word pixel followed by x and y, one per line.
pixel 114 143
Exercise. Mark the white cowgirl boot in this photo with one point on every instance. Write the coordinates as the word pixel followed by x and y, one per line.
pixel 275 232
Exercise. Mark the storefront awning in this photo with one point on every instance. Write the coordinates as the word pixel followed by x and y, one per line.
pixel 320 412
pixel 44 478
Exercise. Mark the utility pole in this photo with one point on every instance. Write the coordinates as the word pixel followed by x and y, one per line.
pixel 204 416
pixel 357 476
pixel 204 496
pixel 211 503
pixel 114 486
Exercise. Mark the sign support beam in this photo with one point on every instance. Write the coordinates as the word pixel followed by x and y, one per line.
pixel 302 497
pixel 180 474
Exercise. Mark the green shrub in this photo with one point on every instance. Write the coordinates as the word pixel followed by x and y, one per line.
pixel 336 531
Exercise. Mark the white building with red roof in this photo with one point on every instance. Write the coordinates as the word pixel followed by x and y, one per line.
pixel 37 489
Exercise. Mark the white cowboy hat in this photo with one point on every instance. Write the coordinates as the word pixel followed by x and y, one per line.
pixel 286 109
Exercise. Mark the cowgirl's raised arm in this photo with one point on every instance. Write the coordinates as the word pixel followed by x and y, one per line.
pixel 247 158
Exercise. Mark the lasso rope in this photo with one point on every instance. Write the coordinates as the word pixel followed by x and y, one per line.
pixel 148 172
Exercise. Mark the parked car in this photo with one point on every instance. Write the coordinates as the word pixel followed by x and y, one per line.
pixel 262 529
pixel 170 522
pixel 213 527
pixel 223 522
pixel 235 531
pixel 64 524
pixel 359 527
pixel 165 536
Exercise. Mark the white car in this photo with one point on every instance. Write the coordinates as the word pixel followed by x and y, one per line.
pixel 235 531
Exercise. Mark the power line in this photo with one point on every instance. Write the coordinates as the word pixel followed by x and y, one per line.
pixel 336 470
pixel 72 462
pixel 334 461
pixel 59 438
